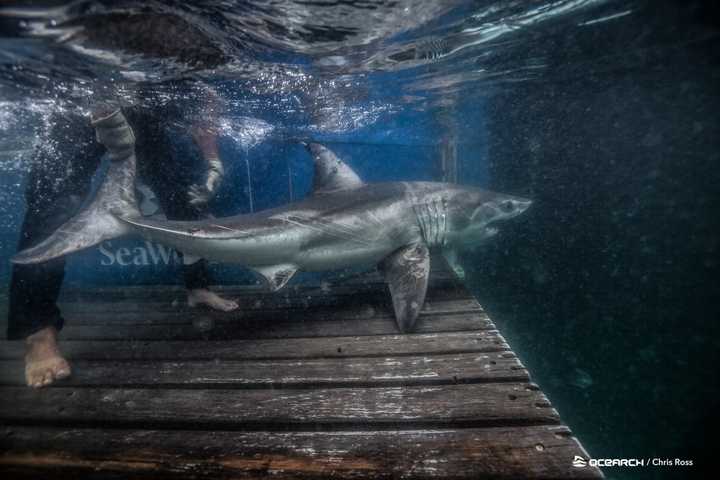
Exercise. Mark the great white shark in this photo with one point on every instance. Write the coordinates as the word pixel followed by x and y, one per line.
pixel 343 222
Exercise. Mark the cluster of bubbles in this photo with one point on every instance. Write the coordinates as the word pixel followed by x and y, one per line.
pixel 331 66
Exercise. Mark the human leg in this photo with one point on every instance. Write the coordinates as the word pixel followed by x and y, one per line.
pixel 195 270
pixel 58 182
pixel 171 181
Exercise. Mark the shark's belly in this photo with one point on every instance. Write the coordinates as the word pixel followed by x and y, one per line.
pixel 248 251
pixel 305 244
pixel 276 251
pixel 335 256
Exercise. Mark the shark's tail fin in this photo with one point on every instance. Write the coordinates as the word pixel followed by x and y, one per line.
pixel 115 198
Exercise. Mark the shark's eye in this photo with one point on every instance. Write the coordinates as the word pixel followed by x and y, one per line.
pixel 507 206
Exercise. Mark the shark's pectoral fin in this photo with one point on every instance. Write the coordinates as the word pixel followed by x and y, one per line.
pixel 453 261
pixel 277 276
pixel 406 272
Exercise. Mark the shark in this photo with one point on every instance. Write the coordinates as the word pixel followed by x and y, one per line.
pixel 343 222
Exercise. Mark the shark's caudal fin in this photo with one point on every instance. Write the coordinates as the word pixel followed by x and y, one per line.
pixel 115 198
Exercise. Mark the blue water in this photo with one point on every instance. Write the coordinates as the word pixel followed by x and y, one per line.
pixel 605 113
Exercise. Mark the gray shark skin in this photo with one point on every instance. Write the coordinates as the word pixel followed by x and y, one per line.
pixel 343 222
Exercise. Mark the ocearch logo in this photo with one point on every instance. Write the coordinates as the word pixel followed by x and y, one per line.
pixel 142 255
pixel 580 462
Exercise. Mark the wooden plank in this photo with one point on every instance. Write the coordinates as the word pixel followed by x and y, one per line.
pixel 446 284
pixel 156 313
pixel 132 314
pixel 385 371
pixel 471 405
pixel 285 325
pixel 537 452
pixel 179 304
pixel 481 341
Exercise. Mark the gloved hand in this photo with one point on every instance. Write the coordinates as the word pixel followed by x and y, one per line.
pixel 206 139
pixel 201 194
pixel 113 131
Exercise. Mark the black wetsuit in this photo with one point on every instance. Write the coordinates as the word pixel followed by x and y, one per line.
pixel 59 182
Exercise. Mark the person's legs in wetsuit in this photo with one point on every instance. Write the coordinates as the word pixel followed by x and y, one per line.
pixel 169 170
pixel 57 186
pixel 58 183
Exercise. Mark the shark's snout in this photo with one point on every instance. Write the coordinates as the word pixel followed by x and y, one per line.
pixel 512 207
pixel 522 204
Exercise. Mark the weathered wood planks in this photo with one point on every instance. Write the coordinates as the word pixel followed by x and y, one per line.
pixel 173 299
pixel 442 284
pixel 168 312
pixel 379 371
pixel 203 326
pixel 536 452
pixel 481 341
pixel 485 404
pixel 315 382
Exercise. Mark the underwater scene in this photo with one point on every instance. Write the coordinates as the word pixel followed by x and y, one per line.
pixel 359 239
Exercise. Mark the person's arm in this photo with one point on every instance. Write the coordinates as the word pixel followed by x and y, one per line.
pixel 113 131
pixel 206 140
pixel 205 134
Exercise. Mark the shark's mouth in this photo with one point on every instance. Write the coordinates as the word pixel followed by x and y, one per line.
pixel 490 231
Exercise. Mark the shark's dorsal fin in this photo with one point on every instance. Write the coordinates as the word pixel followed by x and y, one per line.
pixel 406 271
pixel 276 276
pixel 331 173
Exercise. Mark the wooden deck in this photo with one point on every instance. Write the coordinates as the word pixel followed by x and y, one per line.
pixel 312 382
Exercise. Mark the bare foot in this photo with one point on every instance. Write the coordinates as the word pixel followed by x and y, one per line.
pixel 43 362
pixel 203 296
